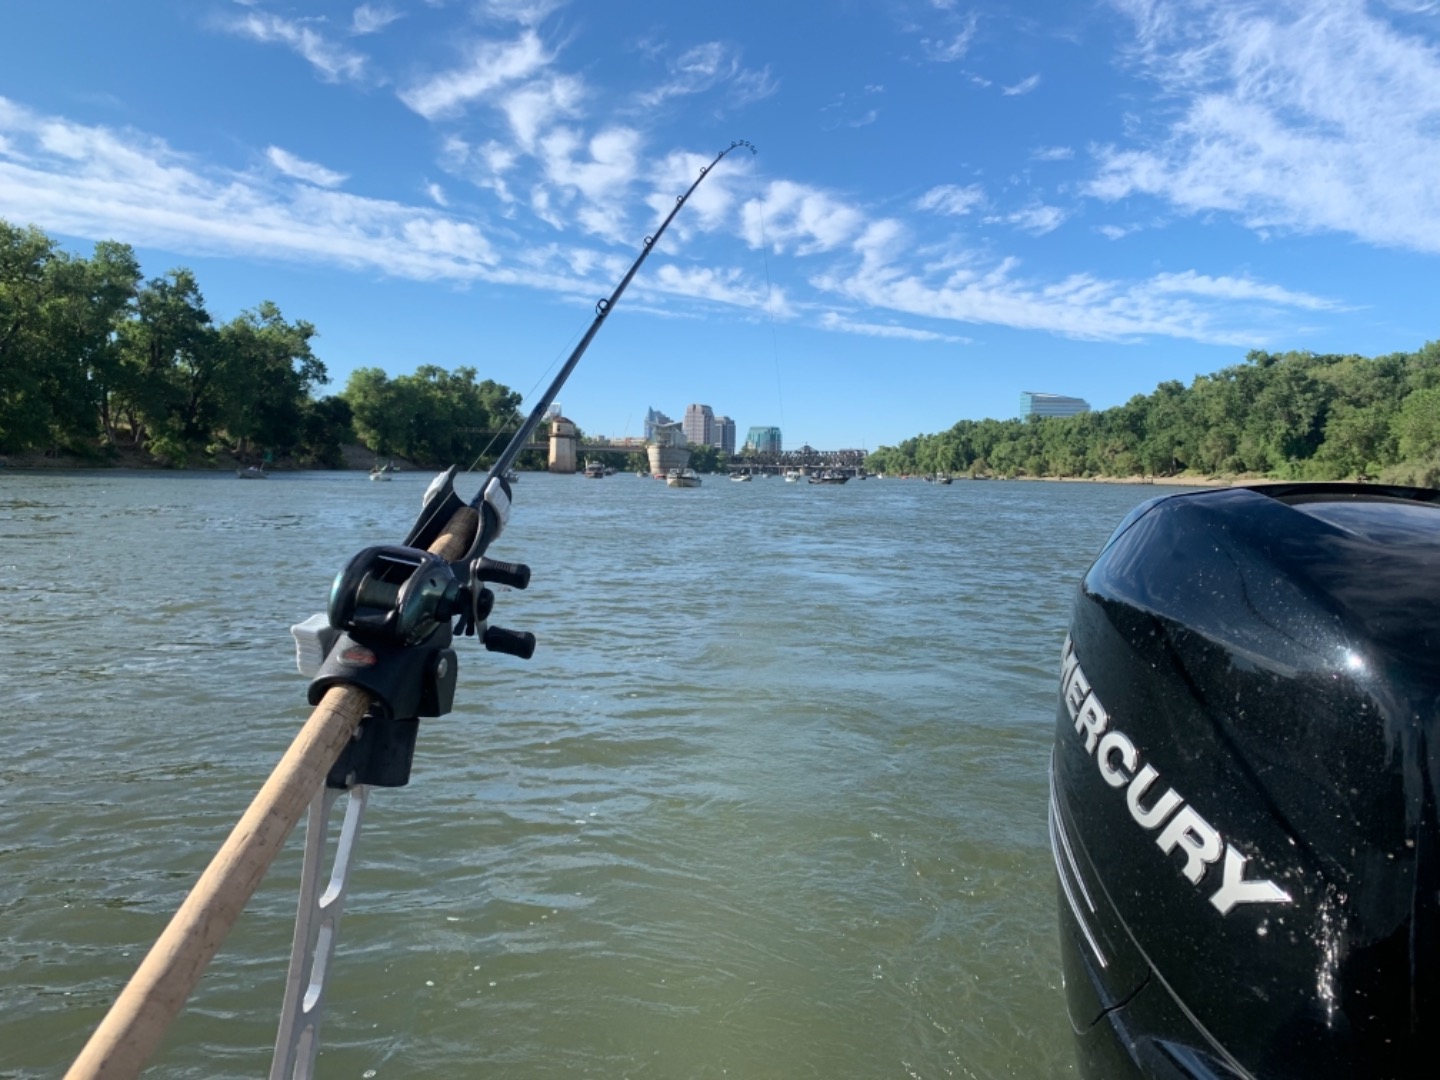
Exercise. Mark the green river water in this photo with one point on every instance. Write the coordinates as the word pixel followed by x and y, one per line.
pixel 769 802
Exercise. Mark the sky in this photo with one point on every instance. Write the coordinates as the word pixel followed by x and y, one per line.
pixel 951 202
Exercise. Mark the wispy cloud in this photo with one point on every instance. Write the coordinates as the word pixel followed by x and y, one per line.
pixel 97 181
pixel 301 169
pixel 1233 288
pixel 372 18
pixel 535 107
pixel 799 217
pixel 725 286
pixel 1294 115
pixel 524 12
pixel 334 62
pixel 707 66
pixel 598 170
pixel 834 321
pixel 1024 86
pixel 1116 232
pixel 952 199
pixel 1038 219
pixel 1052 153
pixel 101 182
pixel 851 110
pixel 489 66
pixel 951 47
pixel 1080 306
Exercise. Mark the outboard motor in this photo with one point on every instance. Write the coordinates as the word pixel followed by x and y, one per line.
pixel 1244 788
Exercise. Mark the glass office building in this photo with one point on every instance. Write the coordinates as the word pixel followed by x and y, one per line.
pixel 1037 404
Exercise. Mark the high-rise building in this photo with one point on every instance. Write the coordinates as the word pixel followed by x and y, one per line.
pixel 653 420
pixel 1036 404
pixel 700 425
pixel 724 434
pixel 763 440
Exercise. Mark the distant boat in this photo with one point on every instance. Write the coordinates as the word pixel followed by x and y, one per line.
pixel 792 476
pixel 740 477
pixel 682 478
pixel 252 472
pixel 383 472
pixel 829 478
pixel 511 476
pixel 594 470
pixel 942 478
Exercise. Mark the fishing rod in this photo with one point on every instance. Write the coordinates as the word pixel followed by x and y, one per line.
pixel 379 659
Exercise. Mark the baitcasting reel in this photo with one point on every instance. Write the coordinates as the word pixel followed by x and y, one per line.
pixel 401 595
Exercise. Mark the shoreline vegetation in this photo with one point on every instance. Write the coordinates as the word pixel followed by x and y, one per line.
pixel 1294 416
pixel 101 368
pixel 358 458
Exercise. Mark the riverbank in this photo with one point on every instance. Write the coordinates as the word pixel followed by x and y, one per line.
pixel 1161 481
pixel 353 456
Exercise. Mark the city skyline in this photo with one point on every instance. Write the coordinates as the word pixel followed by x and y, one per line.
pixel 950 201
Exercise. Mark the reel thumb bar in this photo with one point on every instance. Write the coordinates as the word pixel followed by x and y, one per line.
pixel 153 997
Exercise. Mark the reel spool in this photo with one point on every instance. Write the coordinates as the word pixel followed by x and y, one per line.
pixel 399 595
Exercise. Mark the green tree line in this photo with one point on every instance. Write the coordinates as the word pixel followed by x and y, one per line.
pixel 94 359
pixel 433 416
pixel 1293 416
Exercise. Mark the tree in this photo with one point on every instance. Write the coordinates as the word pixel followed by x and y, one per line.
pixel 168 363
pixel 264 374
pixel 325 427
pixel 1418 424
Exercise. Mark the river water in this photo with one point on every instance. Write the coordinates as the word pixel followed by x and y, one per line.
pixel 769 801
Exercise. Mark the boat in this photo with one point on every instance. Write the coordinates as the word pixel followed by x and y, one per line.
pixel 829 477
pixel 594 470
pixel 511 476
pixel 792 476
pixel 942 478
pixel 740 477
pixel 1169 912
pixel 383 472
pixel 252 472
pixel 682 478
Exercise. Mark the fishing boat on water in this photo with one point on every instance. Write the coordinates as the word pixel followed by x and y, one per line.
pixel 594 470
pixel 793 476
pixel 682 478
pixel 384 472
pixel 740 477
pixel 829 477
pixel 252 472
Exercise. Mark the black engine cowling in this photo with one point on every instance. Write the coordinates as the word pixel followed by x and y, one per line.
pixel 1244 787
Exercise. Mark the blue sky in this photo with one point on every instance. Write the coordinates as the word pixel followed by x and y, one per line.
pixel 952 202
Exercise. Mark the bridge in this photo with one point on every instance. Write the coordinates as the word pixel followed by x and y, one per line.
pixel 806 459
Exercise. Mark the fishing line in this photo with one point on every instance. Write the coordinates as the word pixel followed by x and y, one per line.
pixel 515 413
pixel 770 308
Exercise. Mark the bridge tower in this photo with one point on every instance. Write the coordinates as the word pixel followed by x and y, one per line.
pixel 562 445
